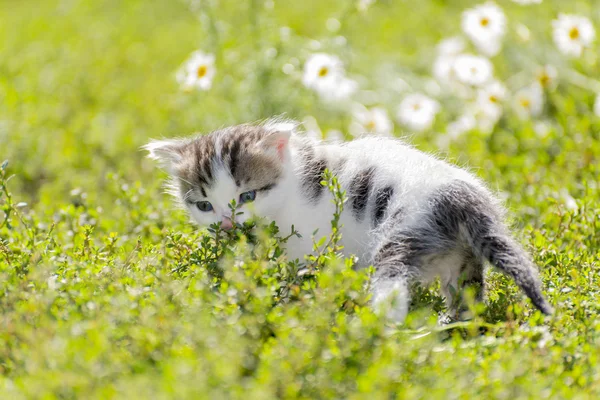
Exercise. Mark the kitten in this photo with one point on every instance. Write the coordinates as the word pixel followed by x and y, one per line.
pixel 411 216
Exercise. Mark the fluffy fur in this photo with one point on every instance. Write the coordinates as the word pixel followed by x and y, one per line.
pixel 410 215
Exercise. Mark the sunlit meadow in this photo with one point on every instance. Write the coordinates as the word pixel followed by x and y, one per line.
pixel 108 291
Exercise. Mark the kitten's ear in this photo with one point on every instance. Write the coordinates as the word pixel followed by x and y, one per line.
pixel 278 138
pixel 168 153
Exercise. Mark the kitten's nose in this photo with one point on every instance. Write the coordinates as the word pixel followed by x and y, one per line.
pixel 226 223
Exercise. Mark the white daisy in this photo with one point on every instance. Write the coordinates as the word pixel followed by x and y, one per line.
pixel 529 101
pixel 197 72
pixel 321 69
pixel 417 112
pixel 546 76
pixel 490 98
pixel 573 33
pixel 374 120
pixel 485 25
pixel 324 73
pixel 472 70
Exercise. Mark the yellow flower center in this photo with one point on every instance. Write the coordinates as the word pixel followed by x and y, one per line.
pixel 371 125
pixel 416 107
pixel 544 79
pixel 574 33
pixel 323 71
pixel 201 71
pixel 525 103
pixel 484 21
pixel 493 99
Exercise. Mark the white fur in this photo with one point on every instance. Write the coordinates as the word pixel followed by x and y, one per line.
pixel 413 174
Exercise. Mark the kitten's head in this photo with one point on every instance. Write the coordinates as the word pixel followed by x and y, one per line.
pixel 245 163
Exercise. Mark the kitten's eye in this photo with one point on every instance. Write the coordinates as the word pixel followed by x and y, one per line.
pixel 247 197
pixel 204 206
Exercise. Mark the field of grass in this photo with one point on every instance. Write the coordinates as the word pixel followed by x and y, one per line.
pixel 107 290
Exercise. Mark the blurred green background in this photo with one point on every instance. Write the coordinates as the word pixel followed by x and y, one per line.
pixel 84 84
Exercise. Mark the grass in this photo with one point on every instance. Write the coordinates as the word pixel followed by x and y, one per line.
pixel 106 291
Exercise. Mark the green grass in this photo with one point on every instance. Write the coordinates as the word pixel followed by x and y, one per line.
pixel 107 291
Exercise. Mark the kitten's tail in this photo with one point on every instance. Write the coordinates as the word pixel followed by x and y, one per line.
pixel 464 208
pixel 504 253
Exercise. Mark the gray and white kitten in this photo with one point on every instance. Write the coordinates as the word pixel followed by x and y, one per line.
pixel 411 216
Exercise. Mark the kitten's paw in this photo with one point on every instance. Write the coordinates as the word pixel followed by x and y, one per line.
pixel 391 298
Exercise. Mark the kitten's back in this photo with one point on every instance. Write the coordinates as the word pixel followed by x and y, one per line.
pixel 413 174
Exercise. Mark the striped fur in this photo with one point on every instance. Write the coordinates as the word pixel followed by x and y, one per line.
pixel 410 215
